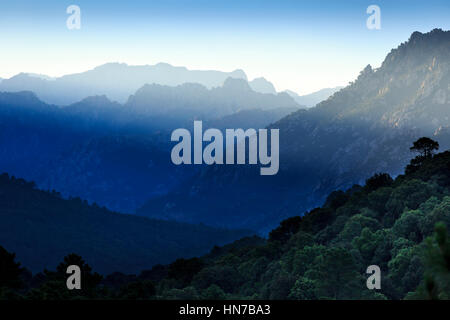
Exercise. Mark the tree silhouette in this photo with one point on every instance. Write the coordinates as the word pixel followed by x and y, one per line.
pixel 286 229
pixel 379 180
pixel 10 270
pixel 425 147
pixel 90 279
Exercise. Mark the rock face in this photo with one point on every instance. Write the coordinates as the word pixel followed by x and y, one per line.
pixel 362 129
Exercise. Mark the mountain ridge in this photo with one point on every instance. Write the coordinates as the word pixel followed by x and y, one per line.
pixel 118 155
pixel 41 228
pixel 311 99
pixel 362 129
pixel 116 80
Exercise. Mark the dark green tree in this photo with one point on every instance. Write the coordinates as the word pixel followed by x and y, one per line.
pixel 138 290
pixel 286 229
pixel 335 276
pixel 10 270
pixel 425 147
pixel 436 283
pixel 378 180
pixel 214 292
pixel 184 270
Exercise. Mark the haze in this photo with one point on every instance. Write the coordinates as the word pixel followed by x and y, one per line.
pixel 297 45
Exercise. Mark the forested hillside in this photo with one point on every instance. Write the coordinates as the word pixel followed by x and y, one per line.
pixel 399 225
pixel 42 227
pixel 325 253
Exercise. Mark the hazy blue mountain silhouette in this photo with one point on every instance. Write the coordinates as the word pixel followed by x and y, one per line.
pixel 310 100
pixel 119 155
pixel 193 101
pixel 364 128
pixel 262 85
pixel 252 118
pixel 93 149
pixel 115 80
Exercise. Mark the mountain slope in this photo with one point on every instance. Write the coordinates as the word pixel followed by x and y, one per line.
pixel 362 129
pixel 94 149
pixel 252 118
pixel 189 101
pixel 41 228
pixel 325 253
pixel 398 225
pixel 310 100
pixel 119 155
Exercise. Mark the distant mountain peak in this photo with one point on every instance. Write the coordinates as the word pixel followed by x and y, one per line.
pixel 110 65
pixel 238 73
pixel 28 95
pixel 163 64
pixel 25 99
pixel 167 66
pixel 262 85
pixel 40 76
pixel 433 34
pixel 117 80
pixel 236 84
pixel 22 75
pixel 96 100
pixel 419 49
pixel 368 69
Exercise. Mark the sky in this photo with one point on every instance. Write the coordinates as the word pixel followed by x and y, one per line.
pixel 298 45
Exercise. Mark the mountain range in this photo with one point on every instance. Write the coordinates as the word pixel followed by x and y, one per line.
pixel 193 101
pixel 115 80
pixel 118 155
pixel 362 129
pixel 118 81
pixel 262 85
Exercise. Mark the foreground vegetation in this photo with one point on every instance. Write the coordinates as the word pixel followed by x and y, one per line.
pixel 399 225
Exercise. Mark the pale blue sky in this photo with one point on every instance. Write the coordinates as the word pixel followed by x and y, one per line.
pixel 298 45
